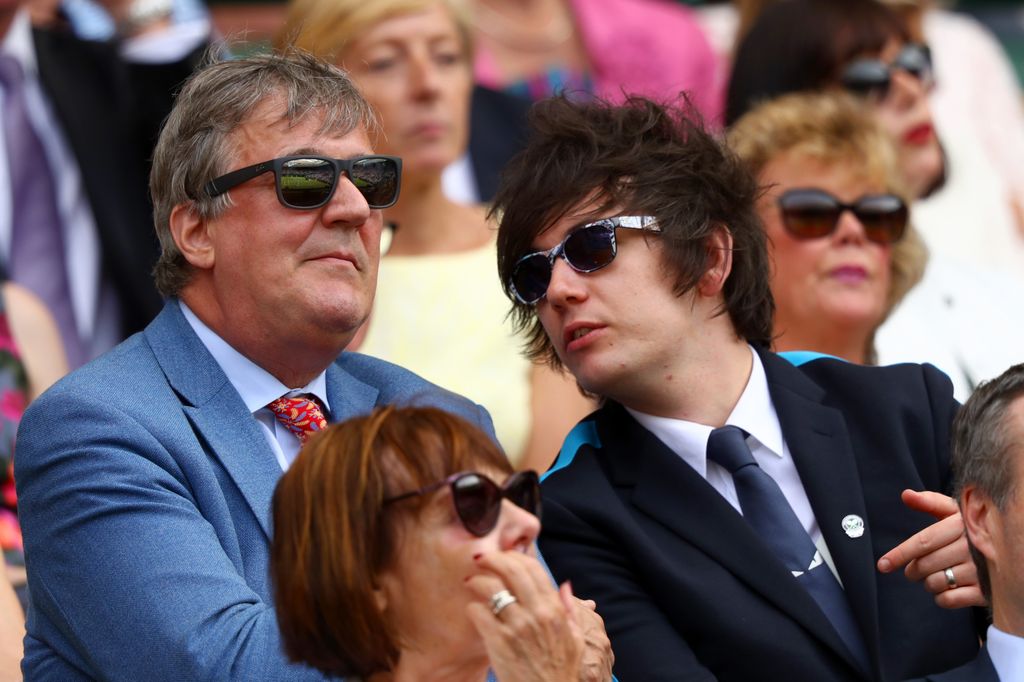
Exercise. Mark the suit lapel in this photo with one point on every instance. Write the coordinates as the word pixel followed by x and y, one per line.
pixel 222 422
pixel 237 440
pixel 669 491
pixel 349 397
pixel 820 445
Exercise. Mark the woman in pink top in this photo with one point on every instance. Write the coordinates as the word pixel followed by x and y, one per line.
pixel 606 48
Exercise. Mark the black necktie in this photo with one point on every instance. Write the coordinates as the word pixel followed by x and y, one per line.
pixel 768 512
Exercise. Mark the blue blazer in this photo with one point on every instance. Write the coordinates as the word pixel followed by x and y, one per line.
pixel 689 592
pixel 144 488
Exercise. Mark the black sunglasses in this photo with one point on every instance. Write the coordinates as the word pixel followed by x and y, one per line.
pixel 872 77
pixel 477 499
pixel 307 182
pixel 587 248
pixel 814 213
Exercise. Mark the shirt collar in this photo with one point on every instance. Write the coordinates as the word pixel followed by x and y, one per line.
pixel 1007 654
pixel 753 412
pixel 18 44
pixel 257 386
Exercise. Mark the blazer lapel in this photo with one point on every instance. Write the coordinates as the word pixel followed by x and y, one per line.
pixel 669 491
pixel 222 422
pixel 820 445
pixel 349 397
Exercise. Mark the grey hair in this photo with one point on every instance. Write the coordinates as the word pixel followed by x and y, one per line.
pixel 982 448
pixel 194 148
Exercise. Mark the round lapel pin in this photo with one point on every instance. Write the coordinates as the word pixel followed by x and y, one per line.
pixel 853 525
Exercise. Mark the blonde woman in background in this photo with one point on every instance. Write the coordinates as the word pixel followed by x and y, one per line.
pixel 832 142
pixel 439 308
pixel 836 214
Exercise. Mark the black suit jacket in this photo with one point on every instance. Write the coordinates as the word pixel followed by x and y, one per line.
pixel 689 592
pixel 110 114
pixel 978 670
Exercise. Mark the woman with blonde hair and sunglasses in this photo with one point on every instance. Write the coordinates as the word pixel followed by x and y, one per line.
pixel 404 550
pixel 845 257
pixel 439 309
pixel 836 216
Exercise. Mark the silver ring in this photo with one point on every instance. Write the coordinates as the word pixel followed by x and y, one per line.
pixel 950 578
pixel 500 600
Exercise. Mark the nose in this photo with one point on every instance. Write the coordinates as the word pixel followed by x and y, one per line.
pixel 424 77
pixel 905 89
pixel 347 206
pixel 566 285
pixel 517 528
pixel 849 230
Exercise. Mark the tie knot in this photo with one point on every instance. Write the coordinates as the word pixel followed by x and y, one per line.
pixel 301 415
pixel 11 73
pixel 727 447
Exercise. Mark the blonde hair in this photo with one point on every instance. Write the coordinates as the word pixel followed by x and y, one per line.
pixel 326 27
pixel 834 129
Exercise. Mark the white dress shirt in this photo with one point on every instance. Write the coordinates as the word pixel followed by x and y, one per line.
pixel 755 414
pixel 94 303
pixel 258 388
pixel 1007 654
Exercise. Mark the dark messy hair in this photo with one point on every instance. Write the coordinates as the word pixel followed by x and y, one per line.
pixel 646 158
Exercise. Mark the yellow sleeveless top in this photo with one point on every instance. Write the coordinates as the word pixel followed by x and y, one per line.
pixel 443 317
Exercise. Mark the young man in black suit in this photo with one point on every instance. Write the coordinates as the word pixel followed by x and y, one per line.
pixel 631 249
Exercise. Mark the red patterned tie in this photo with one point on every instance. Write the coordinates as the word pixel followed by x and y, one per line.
pixel 300 415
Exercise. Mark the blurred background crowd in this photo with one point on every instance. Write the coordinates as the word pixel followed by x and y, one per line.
pixel 889 137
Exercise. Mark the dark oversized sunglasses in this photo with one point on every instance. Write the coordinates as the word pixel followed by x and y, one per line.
pixel 587 248
pixel 307 182
pixel 872 77
pixel 814 213
pixel 477 499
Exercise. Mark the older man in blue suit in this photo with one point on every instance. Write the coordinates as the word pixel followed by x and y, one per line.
pixel 145 478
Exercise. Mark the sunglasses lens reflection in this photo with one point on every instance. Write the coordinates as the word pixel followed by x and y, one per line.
pixel 531 277
pixel 809 215
pixel 591 247
pixel 523 490
pixel 306 182
pixel 477 502
pixel 867 77
pixel 915 60
pixel 377 180
pixel 884 217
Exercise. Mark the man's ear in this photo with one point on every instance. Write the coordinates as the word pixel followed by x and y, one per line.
pixel 980 520
pixel 191 234
pixel 719 262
